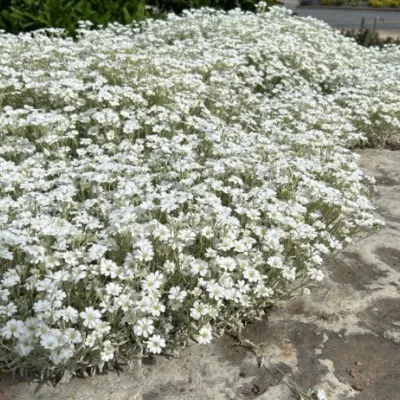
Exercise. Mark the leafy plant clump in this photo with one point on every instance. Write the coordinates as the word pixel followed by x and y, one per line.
pixel 369 37
pixel 164 182
pixel 384 3
pixel 27 15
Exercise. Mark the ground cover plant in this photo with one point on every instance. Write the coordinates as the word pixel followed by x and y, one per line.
pixel 162 182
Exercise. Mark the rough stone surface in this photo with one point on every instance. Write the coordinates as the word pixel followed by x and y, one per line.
pixel 343 338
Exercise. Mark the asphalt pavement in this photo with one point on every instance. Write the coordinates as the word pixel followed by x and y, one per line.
pixel 386 21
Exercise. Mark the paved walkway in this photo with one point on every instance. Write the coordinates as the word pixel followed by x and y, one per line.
pixel 344 338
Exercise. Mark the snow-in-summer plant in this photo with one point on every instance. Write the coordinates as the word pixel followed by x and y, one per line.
pixel 162 182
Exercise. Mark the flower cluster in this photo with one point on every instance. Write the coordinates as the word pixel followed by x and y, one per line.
pixel 162 182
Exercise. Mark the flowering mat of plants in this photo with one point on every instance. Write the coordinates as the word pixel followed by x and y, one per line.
pixel 339 342
pixel 164 182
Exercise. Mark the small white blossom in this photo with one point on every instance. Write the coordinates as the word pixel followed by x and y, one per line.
pixel 155 344
pixel 144 327
pixel 320 394
pixel 315 274
pixel 289 273
pixel 108 351
pixel 49 341
pixel 198 310
pixel 13 328
pixel 153 281
pixel 91 317
pixel 73 336
pixel 108 268
pixel 205 335
pixel 251 274
pixel 10 278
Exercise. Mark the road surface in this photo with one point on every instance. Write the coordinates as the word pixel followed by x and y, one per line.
pixel 340 18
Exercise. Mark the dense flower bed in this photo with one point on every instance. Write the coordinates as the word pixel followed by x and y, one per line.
pixel 161 183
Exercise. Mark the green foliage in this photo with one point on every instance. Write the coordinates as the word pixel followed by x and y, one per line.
pixel 384 3
pixel 27 15
pixel 369 37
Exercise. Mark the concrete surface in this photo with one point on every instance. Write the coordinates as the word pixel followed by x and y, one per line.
pixel 344 337
pixel 350 18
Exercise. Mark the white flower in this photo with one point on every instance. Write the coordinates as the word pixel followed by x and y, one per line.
pixel 144 327
pixel 62 354
pixel 90 340
pixel 31 325
pixel 207 232
pixel 73 336
pixel 242 286
pixel 13 328
pixel 70 258
pixel 176 297
pixel 10 278
pixel 108 351
pixel 196 292
pixel 226 244
pixel 315 274
pixel 24 346
pixel 144 253
pixel 70 314
pixel 275 262
pixel 244 245
pixel 210 253
pixel 156 309
pixel 113 289
pixel 4 293
pixel 262 291
pixel 144 304
pixel 169 267
pixel 251 274
pixel 41 329
pixel 67 314
pixel 289 273
pixel 226 263
pixel 199 267
pixel 215 291
pixel 9 310
pixel 91 317
pixel 176 294
pixel 317 259
pixel 198 310
pixel 205 335
pixel 155 344
pixel 161 233
pixel 49 341
pixel 108 268
pixel 96 252
pixel 153 281
pixel 320 394
pixel 102 329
